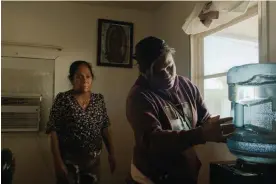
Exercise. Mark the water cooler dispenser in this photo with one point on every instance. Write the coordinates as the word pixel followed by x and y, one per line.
pixel 252 92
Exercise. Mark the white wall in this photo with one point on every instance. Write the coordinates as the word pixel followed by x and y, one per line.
pixel 169 20
pixel 74 27
pixel 32 157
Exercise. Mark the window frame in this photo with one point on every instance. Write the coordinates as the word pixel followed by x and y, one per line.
pixel 197 44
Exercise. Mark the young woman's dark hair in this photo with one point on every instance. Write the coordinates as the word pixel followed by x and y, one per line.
pixel 148 50
pixel 75 66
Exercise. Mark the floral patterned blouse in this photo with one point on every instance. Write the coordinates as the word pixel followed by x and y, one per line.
pixel 78 130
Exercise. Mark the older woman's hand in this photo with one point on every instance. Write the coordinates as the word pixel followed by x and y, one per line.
pixel 112 162
pixel 61 171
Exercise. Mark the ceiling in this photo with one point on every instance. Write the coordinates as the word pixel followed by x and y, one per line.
pixel 138 5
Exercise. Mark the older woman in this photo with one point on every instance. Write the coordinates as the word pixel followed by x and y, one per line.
pixel 78 123
pixel 168 117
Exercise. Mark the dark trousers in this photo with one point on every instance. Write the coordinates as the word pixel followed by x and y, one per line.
pixel 83 172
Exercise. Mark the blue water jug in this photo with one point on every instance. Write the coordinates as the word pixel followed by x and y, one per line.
pixel 252 92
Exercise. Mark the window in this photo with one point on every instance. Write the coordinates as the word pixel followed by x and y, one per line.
pixel 223 51
pixel 218 51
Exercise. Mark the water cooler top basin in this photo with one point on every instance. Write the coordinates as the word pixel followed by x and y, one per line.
pixel 250 72
pixel 252 92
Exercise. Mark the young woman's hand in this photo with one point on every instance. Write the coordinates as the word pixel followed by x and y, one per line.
pixel 218 129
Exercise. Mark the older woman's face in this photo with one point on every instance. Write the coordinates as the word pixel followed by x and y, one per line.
pixel 163 72
pixel 82 81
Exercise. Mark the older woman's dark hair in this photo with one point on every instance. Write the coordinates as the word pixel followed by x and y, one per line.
pixel 75 66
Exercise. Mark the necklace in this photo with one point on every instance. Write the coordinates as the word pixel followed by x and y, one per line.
pixel 83 102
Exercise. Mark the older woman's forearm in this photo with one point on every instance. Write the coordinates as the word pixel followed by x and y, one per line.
pixel 55 148
pixel 107 138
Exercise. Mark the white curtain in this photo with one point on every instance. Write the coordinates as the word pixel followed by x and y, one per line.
pixel 209 15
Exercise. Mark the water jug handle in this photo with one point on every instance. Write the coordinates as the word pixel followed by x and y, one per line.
pixel 239 115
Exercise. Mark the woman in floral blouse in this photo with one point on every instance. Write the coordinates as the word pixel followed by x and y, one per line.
pixel 77 126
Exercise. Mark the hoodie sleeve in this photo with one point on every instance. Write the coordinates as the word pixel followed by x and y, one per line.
pixel 142 114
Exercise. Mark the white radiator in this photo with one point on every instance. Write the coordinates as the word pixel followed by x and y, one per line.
pixel 20 112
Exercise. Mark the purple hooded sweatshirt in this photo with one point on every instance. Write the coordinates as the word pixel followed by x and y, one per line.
pixel 166 126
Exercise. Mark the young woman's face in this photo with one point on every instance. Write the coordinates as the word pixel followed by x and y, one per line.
pixel 82 81
pixel 163 72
